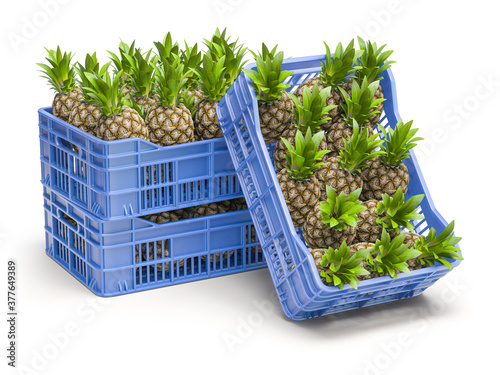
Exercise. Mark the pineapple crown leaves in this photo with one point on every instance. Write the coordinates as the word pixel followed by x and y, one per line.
pixel 219 47
pixel 170 81
pixel 105 92
pixel 166 48
pixel 142 110
pixel 305 157
pixel 340 211
pixel 387 257
pixel 121 63
pixel 268 79
pixel 191 58
pixel 360 106
pixel 340 65
pixel 436 248
pixel 91 65
pixel 343 267
pixel 359 149
pixel 398 143
pixel 372 62
pixel 211 77
pixel 310 113
pixel 394 212
pixel 60 72
pixel 265 52
pixel 142 72
pixel 188 98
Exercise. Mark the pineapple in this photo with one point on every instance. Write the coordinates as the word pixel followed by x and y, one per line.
pixel 141 78
pixel 389 256
pixel 333 221
pixel 333 75
pixel 342 266
pixel 434 248
pixel 118 121
pixel 86 115
pixel 238 204
pixel 169 121
pixel 275 104
pixel 122 64
pixel 390 214
pixel 310 114
pixel 213 84
pixel 357 106
pixel 300 187
pixel 372 63
pixel 209 209
pixel 61 77
pixel 342 173
pixel 386 173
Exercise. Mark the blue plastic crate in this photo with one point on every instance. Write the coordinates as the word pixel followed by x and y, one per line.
pixel 132 177
pixel 300 290
pixel 114 257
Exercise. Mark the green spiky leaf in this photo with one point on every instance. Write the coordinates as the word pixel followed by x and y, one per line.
pixel 91 66
pixel 342 267
pixel 121 63
pixel 313 109
pixel 340 211
pixel 60 73
pixel 142 72
pixel 437 248
pixel 373 62
pixel 394 212
pixel 398 143
pixel 305 157
pixel 105 92
pixel 359 149
pixel 337 68
pixel 166 49
pixel 387 257
pixel 191 58
pixel 360 106
pixel 211 77
pixel 170 81
pixel 268 79
pixel 219 46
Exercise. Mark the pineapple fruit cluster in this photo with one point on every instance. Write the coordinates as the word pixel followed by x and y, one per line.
pixel 341 172
pixel 166 95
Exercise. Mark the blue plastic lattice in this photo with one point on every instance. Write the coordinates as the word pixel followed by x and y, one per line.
pixel 132 177
pixel 114 257
pixel 302 294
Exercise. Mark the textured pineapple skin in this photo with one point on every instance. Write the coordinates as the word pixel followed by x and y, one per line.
pixel 411 239
pixel 333 175
pixel 367 228
pixel 300 197
pixel 276 117
pixel 281 150
pixel 379 179
pixel 170 126
pixel 206 122
pixel 335 98
pixel 126 125
pixel 85 117
pixel 318 235
pixel 63 104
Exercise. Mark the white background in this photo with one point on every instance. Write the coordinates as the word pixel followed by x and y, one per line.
pixel 445 52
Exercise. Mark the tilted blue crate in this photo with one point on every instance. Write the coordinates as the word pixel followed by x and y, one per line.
pixel 301 293
pixel 114 257
pixel 132 177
